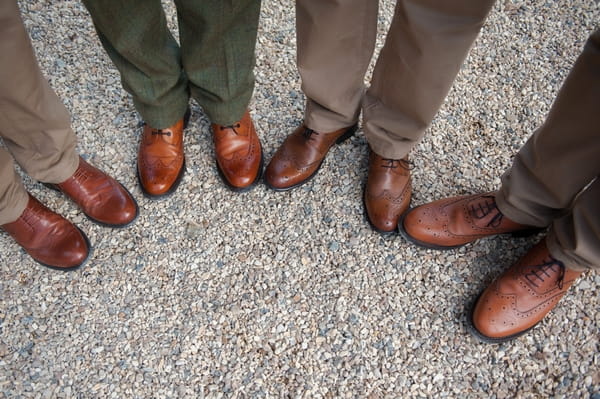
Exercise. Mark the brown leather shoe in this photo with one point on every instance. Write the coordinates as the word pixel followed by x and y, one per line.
pixel 48 238
pixel 103 199
pixel 453 222
pixel 161 160
pixel 387 193
pixel 301 155
pixel 521 297
pixel 238 153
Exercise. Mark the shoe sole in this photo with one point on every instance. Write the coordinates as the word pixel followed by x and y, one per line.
pixel 54 187
pixel 423 244
pixel 70 268
pixel 484 338
pixel 351 130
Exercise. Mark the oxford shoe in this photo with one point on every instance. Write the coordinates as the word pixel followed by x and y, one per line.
pixel 103 199
pixel 301 155
pixel 161 159
pixel 49 238
pixel 521 297
pixel 238 153
pixel 387 192
pixel 453 222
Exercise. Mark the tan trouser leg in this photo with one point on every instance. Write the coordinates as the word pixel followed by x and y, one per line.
pixel 425 47
pixel 563 155
pixel 34 124
pixel 13 196
pixel 558 162
pixel 336 39
pixel 575 238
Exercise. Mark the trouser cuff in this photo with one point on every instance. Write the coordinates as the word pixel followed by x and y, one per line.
pixel 568 258
pixel 515 214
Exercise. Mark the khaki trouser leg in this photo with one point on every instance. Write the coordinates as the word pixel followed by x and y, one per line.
pixel 13 196
pixel 558 162
pixel 425 47
pixel 575 238
pixel 336 39
pixel 34 124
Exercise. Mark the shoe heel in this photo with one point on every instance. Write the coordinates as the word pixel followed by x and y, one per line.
pixel 351 130
pixel 527 232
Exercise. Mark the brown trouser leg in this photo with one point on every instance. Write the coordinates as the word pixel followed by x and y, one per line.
pixel 34 124
pixel 425 47
pixel 549 181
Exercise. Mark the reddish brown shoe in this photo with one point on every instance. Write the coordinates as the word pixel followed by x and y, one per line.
pixel 238 153
pixel 161 160
pixel 48 238
pixel 521 297
pixel 453 222
pixel 387 193
pixel 103 199
pixel 301 155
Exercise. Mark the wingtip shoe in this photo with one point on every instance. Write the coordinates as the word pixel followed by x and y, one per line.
pixel 387 192
pixel 453 222
pixel 161 159
pixel 521 297
pixel 238 154
pixel 301 155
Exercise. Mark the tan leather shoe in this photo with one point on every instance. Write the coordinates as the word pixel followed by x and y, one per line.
pixel 103 199
pixel 453 222
pixel 48 238
pixel 238 153
pixel 521 297
pixel 387 193
pixel 161 160
pixel 301 155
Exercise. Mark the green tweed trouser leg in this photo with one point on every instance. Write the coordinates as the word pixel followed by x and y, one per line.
pixel 214 63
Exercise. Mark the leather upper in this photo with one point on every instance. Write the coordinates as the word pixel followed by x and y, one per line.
pixel 388 191
pixel 452 222
pixel 100 197
pixel 161 159
pixel 49 238
pixel 300 156
pixel 238 153
pixel 522 295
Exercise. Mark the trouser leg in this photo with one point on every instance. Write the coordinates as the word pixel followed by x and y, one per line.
pixel 575 238
pixel 34 124
pixel 13 196
pixel 563 155
pixel 218 39
pixel 335 41
pixel 135 35
pixel 425 47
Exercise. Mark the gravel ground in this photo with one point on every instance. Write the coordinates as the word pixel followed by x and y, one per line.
pixel 264 294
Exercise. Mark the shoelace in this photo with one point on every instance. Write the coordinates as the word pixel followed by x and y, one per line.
pixel 540 272
pixel 309 133
pixel 481 210
pixel 161 132
pixel 395 163
pixel 232 127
